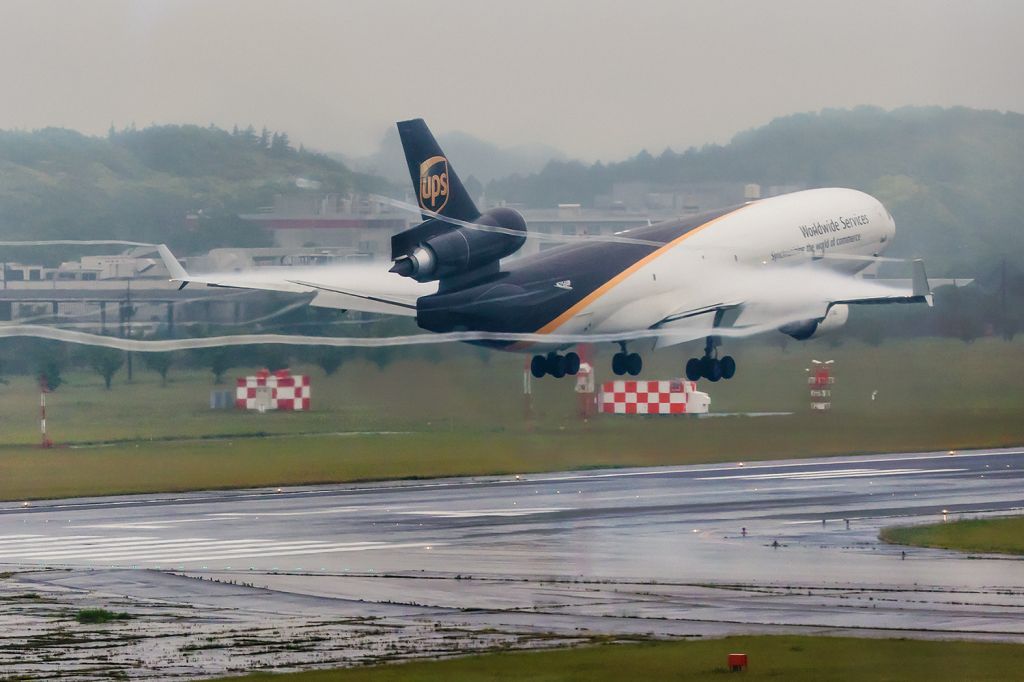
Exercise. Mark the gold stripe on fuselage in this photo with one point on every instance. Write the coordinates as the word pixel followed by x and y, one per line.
pixel 617 279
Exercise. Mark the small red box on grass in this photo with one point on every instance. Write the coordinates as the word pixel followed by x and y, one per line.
pixel 737 662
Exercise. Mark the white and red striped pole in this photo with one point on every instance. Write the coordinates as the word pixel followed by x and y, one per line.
pixel 43 390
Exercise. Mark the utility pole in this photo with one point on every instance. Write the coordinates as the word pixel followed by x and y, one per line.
pixel 128 312
pixel 1003 324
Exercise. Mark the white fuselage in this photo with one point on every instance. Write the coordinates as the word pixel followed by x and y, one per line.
pixel 692 271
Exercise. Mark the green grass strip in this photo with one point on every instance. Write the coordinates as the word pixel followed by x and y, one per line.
pixel 996 536
pixel 770 657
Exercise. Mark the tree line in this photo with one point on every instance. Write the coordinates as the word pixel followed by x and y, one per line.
pixel 55 360
pixel 992 306
pixel 141 184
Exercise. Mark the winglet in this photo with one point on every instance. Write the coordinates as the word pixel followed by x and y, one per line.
pixel 921 288
pixel 177 272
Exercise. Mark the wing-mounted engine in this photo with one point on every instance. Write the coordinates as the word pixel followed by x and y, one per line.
pixel 802 330
pixel 439 250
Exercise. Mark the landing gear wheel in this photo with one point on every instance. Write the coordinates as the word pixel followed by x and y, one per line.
pixel 693 369
pixel 711 368
pixel 572 364
pixel 556 365
pixel 634 364
pixel 619 364
pixel 538 366
pixel 728 367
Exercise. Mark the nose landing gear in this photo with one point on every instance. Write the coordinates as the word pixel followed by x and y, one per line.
pixel 709 366
pixel 555 364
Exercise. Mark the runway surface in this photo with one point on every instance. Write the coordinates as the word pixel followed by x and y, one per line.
pixel 713 549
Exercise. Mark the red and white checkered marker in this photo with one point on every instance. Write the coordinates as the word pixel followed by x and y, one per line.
pixel 673 396
pixel 287 392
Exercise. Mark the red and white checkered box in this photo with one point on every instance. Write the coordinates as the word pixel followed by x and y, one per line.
pixel 287 392
pixel 672 396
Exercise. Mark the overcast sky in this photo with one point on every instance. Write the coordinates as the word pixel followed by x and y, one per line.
pixel 596 79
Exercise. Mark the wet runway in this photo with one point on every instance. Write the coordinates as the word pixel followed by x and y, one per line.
pixel 712 549
pixel 680 523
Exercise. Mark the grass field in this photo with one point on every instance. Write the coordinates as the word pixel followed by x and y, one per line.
pixel 776 658
pixel 1001 536
pixel 419 419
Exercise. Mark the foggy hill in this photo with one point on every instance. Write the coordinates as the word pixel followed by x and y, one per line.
pixel 470 155
pixel 952 178
pixel 139 185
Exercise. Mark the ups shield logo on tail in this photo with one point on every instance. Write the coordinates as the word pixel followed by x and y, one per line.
pixel 434 183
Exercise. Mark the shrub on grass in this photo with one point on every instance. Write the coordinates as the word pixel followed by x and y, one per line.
pixel 159 363
pixel 105 362
pixel 94 616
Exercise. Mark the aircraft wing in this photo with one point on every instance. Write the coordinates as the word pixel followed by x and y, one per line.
pixel 364 287
pixel 751 301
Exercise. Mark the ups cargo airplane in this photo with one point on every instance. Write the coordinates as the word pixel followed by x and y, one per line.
pixel 785 263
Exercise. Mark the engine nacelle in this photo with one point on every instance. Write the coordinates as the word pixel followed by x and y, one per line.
pixel 835 318
pixel 459 250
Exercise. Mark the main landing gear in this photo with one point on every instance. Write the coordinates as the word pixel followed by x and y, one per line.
pixel 555 364
pixel 709 366
pixel 627 363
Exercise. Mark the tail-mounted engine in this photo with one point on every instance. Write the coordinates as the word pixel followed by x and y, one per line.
pixel 437 250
